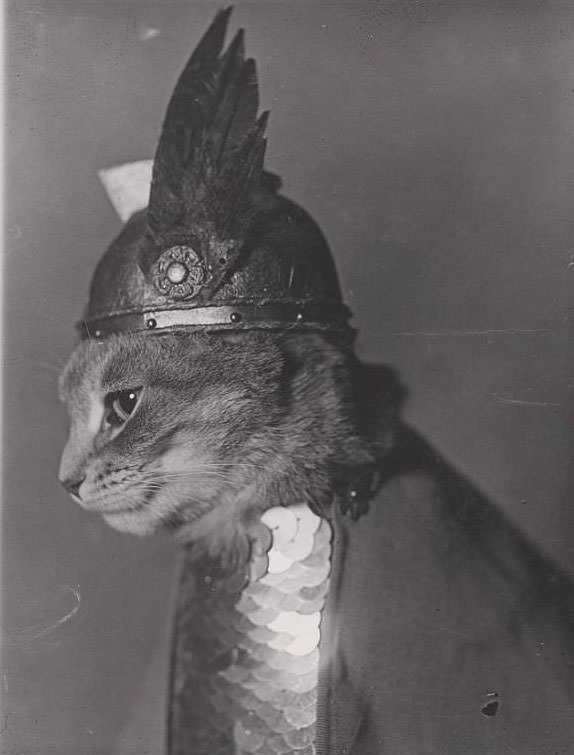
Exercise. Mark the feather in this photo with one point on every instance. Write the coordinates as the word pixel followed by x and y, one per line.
pixel 209 161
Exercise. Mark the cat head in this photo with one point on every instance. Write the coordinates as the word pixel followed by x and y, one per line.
pixel 196 432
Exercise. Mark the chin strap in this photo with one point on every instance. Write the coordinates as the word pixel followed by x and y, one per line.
pixel 245 664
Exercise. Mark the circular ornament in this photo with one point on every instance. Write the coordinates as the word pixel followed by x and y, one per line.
pixel 176 272
pixel 179 272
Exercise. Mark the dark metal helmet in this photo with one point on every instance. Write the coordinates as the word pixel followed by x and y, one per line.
pixel 218 247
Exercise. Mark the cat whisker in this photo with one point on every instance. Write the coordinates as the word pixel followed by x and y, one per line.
pixel 156 486
pixel 233 464
pixel 199 468
pixel 194 474
pixel 228 464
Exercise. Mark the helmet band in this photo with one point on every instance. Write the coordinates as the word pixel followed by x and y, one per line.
pixel 310 316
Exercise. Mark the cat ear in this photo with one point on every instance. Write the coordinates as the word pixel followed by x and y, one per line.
pixel 128 186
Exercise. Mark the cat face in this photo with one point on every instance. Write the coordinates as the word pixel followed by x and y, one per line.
pixel 167 429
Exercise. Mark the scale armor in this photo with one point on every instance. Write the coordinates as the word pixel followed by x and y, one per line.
pixel 246 652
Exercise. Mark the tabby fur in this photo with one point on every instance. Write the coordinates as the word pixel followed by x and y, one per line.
pixel 226 426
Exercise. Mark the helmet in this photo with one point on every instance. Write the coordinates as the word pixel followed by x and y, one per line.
pixel 218 248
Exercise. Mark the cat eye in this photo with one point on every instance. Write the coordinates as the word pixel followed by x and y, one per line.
pixel 120 405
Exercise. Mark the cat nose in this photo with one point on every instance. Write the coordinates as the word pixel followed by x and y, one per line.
pixel 73 485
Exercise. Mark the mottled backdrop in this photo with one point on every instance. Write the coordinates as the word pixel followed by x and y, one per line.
pixel 433 143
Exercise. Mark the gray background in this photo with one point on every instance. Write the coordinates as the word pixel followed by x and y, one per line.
pixel 432 142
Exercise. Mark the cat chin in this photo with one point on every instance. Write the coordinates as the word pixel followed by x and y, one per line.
pixel 132 522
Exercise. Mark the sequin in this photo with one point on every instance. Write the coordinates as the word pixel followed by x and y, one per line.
pixel 268 632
